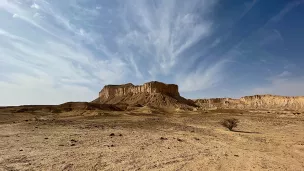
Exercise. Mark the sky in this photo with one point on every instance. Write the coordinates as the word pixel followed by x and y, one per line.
pixel 53 51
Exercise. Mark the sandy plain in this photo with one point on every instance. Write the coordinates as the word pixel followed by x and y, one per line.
pixel 146 139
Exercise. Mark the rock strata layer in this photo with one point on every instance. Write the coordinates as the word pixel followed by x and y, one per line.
pixel 110 91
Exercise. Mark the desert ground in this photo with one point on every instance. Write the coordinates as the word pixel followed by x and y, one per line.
pixel 150 139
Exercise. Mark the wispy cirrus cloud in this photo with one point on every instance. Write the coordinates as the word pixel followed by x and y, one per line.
pixel 85 46
pixel 54 48
pixel 282 84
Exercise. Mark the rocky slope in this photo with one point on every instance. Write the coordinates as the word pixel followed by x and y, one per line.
pixel 255 102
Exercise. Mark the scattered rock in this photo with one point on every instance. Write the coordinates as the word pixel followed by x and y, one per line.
pixel 112 145
pixel 180 140
pixel 68 167
pixel 196 138
pixel 120 135
pixel 21 150
pixel 61 145
pixel 163 138
pixel 236 155
pixel 73 144
pixel 46 138
pixel 112 134
pixel 72 140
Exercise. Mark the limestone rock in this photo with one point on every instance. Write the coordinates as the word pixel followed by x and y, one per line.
pixel 255 102
pixel 110 91
pixel 153 94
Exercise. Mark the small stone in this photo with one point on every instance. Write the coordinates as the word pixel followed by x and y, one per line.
pixel 112 134
pixel 73 144
pixel 163 138
pixel 46 138
pixel 180 140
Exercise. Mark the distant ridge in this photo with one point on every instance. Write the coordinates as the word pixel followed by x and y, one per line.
pixel 266 101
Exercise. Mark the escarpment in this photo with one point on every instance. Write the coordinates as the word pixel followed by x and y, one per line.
pixel 255 102
pixel 158 94
pixel 154 93
pixel 110 91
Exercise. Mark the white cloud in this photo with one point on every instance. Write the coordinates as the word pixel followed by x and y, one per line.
pixel 35 6
pixel 282 84
pixel 284 74
pixel 164 32
pixel 73 50
pixel 273 36
pixel 51 65
pixel 287 87
pixel 216 42
pixel 203 78
pixel 286 9
pixel 37 15
pixel 33 90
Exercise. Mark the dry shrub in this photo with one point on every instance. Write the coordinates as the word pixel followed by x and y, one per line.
pixel 230 123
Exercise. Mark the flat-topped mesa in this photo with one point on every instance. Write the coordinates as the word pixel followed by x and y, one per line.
pixel 110 91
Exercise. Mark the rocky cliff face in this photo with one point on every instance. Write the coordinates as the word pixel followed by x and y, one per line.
pixel 110 91
pixel 166 95
pixel 255 102
pixel 153 94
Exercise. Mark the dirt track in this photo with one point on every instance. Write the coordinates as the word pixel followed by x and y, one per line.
pixel 83 140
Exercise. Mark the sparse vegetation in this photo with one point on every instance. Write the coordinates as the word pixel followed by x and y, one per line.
pixel 230 123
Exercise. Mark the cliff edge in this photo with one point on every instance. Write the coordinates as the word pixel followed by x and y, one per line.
pixel 154 93
pixel 255 102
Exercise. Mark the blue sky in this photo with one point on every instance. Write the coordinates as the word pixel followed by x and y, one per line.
pixel 53 51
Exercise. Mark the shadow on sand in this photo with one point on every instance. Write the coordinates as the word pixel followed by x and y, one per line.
pixel 247 132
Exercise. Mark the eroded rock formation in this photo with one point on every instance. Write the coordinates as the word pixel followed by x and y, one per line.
pixel 159 94
pixel 154 94
pixel 255 102
pixel 110 91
